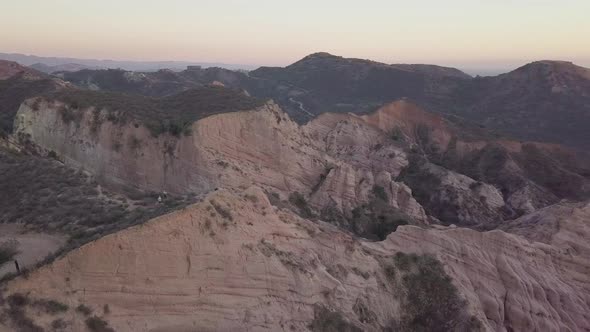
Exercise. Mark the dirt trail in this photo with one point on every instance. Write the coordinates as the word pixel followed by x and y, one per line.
pixel 33 247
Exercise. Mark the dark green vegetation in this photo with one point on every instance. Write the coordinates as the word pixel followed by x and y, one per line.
pixel 378 218
pixel 63 200
pixel 430 300
pixel 97 324
pixel 299 201
pixel 14 308
pixel 174 114
pixel 373 220
pixel 84 310
pixel 17 308
pixel 13 92
pixel 50 307
pixel 330 321
pixel 223 211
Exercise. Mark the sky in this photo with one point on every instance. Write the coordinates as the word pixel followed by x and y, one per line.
pixel 463 33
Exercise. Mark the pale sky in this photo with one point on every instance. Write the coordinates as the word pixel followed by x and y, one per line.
pixel 276 32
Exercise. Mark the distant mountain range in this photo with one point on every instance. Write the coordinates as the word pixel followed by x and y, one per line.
pixel 544 100
pixel 45 63
pixel 398 201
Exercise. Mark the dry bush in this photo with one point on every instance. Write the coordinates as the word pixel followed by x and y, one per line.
pixel 97 324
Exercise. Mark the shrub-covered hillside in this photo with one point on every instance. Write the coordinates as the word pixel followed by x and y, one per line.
pixel 47 196
pixel 171 114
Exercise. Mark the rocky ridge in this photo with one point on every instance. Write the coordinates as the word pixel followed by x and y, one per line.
pixel 336 161
pixel 258 267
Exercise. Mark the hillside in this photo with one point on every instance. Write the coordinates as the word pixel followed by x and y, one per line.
pixel 28 60
pixel 344 168
pixel 67 67
pixel 322 82
pixel 544 100
pixel 391 217
pixel 18 83
pixel 172 114
pixel 40 195
pixel 236 262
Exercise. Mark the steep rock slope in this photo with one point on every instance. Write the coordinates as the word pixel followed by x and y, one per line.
pixel 234 262
pixel 262 147
pixel 337 161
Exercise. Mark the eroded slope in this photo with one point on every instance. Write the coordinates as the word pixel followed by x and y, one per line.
pixel 235 262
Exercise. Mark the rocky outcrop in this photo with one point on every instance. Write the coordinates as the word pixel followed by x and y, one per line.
pixel 234 262
pixel 456 198
pixel 324 160
pixel 335 160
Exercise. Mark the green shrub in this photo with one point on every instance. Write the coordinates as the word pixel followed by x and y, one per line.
pixel 222 211
pixel 380 193
pixel 18 300
pixel 21 322
pixel 300 202
pixel 251 198
pixel 431 301
pixel 97 324
pixel 84 309
pixel 377 219
pixel 396 134
pixel 51 307
pixel 51 154
pixel 329 321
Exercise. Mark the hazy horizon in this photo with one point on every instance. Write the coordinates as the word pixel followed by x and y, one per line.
pixel 470 35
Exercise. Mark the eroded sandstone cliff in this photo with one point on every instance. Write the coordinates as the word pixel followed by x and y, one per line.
pixel 336 161
pixel 235 262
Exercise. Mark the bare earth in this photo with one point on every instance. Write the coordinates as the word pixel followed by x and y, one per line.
pixel 33 247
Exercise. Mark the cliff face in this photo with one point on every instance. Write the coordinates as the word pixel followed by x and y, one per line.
pixel 235 262
pixel 336 161
pixel 333 163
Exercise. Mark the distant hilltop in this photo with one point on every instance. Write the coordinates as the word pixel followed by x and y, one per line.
pixel 63 63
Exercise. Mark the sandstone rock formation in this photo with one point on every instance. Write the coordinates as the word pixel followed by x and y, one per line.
pixel 334 160
pixel 235 262
pixel 326 160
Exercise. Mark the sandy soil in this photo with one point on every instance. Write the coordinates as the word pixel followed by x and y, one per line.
pixel 33 247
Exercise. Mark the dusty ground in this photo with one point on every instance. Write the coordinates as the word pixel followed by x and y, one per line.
pixel 33 247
